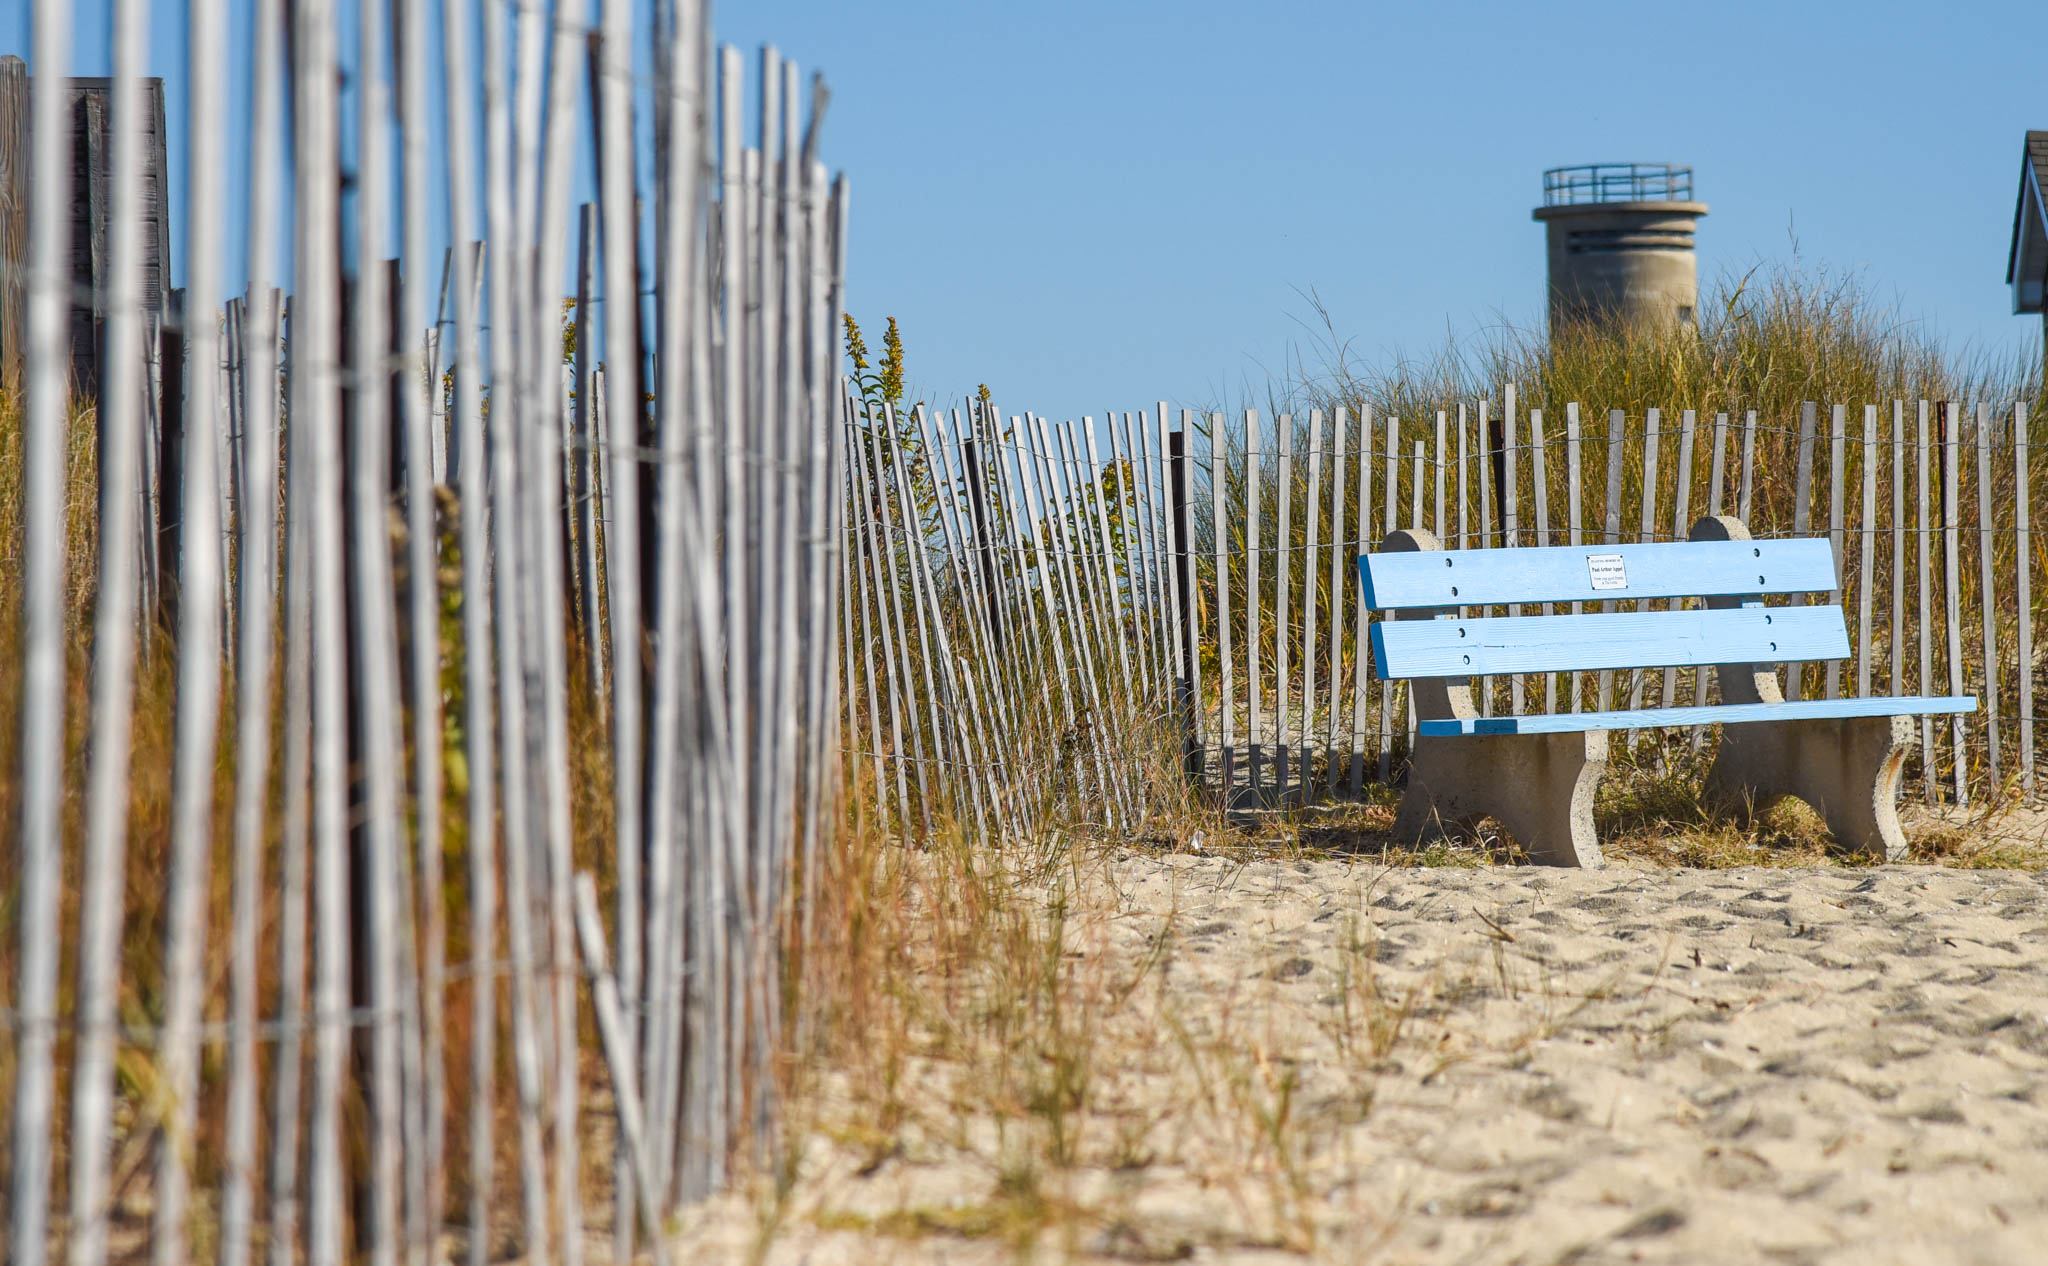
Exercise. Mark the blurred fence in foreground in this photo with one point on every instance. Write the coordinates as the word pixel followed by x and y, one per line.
pixel 330 731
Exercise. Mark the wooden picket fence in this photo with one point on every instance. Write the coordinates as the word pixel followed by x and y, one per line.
pixel 526 636
pixel 1090 579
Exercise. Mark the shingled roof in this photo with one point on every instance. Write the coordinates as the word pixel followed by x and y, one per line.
pixel 2026 266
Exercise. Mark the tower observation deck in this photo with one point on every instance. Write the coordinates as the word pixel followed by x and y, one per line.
pixel 1620 243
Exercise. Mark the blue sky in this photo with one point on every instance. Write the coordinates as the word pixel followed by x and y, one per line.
pixel 1096 205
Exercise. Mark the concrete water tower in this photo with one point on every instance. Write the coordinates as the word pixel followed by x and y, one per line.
pixel 1621 243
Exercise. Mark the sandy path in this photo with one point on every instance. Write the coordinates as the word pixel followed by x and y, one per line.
pixel 1329 1060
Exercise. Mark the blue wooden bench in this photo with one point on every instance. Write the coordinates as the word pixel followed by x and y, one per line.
pixel 1536 774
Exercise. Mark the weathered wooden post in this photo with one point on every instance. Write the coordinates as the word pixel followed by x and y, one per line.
pixel 1185 685
pixel 14 198
pixel 170 509
pixel 970 457
pixel 583 458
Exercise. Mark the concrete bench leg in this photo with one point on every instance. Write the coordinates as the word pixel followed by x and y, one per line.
pixel 1538 786
pixel 1848 769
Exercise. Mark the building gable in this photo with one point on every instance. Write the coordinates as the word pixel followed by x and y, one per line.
pixel 2026 267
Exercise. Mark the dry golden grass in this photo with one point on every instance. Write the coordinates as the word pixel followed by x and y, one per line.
pixel 1767 339
pixel 148 849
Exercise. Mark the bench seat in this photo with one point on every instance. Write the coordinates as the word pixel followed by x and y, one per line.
pixel 1718 714
pixel 1536 775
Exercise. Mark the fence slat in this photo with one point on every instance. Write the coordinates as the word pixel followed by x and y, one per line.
pixel 1393 495
pixel 477 640
pixel 1575 503
pixel 1084 470
pixel 792 607
pixel 1254 731
pixel 618 1047
pixel 1054 505
pixel 1802 499
pixel 1359 678
pixel 201 580
pixel 314 319
pixel 1340 551
pixel 257 526
pixel 1540 487
pixel 739 504
pixel 1717 479
pixel 1837 458
pixel 1309 573
pixel 1510 517
pixel 1154 630
pixel 1951 577
pixel 1987 595
pixel 960 727
pixel 939 751
pixel 1928 774
pixel 374 688
pixel 826 532
pixel 1717 476
pixel 964 725
pixel 295 847
pixel 1867 552
pixel 424 992
pixel 1136 549
pixel 1896 633
pixel 1652 441
pixel 102 890
pixel 1485 454
pixel 1510 502
pixel 1047 646
pixel 1421 465
pixel 973 574
pixel 1681 523
pixel 1075 471
pixel 1464 520
pixel 1171 590
pixel 903 715
pixel 1744 506
pixel 437 366
pixel 1283 544
pixel 582 457
pixel 510 622
pixel 1180 499
pixel 1415 522
pixel 1004 631
pixel 1105 569
pixel 227 465
pixel 46 423
pixel 1226 675
pixel 2023 583
pixel 646 912
pixel 1150 490
pixel 1441 471
pixel 1617 433
pixel 868 552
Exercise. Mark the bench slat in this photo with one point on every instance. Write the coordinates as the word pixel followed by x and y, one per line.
pixel 1720 714
pixel 1570 573
pixel 1625 639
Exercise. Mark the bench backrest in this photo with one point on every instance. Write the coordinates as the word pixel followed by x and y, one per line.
pixel 1738 629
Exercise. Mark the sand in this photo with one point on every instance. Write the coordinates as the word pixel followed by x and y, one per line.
pixel 1332 1060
